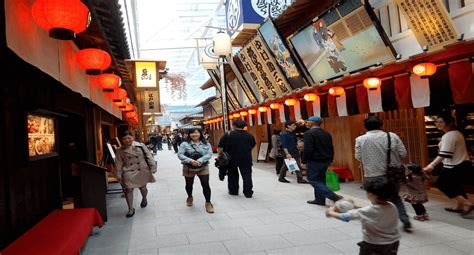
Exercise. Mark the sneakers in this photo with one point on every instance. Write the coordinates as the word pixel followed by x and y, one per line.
pixel 130 213
pixel 283 180
pixel 189 201
pixel 209 207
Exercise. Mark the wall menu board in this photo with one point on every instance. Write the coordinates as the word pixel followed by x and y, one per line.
pixel 343 40
pixel 41 135
pixel 281 54
pixel 430 22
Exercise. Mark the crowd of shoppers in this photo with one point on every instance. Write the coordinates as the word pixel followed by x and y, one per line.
pixel 378 151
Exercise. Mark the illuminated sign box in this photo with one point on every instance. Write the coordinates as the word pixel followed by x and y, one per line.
pixel 146 75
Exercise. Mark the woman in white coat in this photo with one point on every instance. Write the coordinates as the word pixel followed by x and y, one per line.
pixel 135 168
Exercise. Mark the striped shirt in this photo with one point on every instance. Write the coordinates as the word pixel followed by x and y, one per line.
pixel 453 149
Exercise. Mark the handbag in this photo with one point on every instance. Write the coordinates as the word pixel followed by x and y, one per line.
pixel 332 180
pixel 395 174
pixel 224 159
pixel 146 160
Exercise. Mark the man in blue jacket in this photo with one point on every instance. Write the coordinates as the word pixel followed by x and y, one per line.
pixel 318 155
pixel 288 143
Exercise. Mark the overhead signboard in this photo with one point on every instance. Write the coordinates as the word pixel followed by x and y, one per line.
pixel 271 69
pixel 345 39
pixel 282 55
pixel 430 22
pixel 146 75
pixel 248 14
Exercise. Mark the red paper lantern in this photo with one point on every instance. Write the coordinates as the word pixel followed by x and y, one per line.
pixel 424 70
pixel 109 82
pixel 262 109
pixel 236 115
pixel 310 97
pixel 119 95
pixel 231 117
pixel 252 111
pixel 243 113
pixel 63 19
pixel 290 102
pixel 94 61
pixel 336 91
pixel 372 83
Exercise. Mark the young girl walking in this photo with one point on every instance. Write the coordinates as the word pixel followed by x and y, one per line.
pixel 414 191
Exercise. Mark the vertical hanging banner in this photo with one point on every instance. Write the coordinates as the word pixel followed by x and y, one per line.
pixel 430 22
pixel 215 79
pixel 270 67
pixel 151 101
pixel 260 70
pixel 243 84
pixel 246 61
pixel 232 98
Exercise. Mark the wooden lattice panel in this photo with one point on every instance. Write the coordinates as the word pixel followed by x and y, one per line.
pixel 409 125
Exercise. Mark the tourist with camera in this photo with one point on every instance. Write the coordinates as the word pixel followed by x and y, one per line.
pixel 194 153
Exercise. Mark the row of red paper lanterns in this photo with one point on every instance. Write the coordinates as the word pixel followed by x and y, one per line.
pixel 63 19
pixel 423 70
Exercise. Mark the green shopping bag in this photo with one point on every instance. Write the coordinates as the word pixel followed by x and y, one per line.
pixel 332 180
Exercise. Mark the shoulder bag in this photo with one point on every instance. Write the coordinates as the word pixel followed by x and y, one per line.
pixel 224 158
pixel 395 174
pixel 145 157
pixel 195 155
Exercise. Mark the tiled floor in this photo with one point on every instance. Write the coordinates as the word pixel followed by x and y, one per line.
pixel 277 220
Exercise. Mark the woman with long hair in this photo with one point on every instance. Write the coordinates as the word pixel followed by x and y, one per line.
pixel 194 153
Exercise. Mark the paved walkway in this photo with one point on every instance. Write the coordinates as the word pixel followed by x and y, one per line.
pixel 277 220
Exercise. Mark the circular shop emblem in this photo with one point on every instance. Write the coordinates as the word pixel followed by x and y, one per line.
pixel 276 7
pixel 233 14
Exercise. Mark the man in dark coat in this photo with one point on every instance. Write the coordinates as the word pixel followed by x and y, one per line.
pixel 239 144
pixel 318 155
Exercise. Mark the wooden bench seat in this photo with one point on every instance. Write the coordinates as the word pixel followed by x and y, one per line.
pixel 62 232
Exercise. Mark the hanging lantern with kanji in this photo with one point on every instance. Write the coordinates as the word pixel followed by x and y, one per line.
pixel 94 61
pixel 424 70
pixel 62 19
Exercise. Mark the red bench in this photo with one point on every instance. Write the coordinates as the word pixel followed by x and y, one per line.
pixel 62 232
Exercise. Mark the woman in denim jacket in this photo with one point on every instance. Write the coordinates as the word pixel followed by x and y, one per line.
pixel 194 154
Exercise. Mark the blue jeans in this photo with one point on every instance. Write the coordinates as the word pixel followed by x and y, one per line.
pixel 317 178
